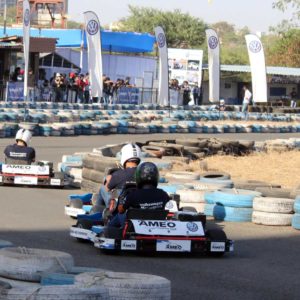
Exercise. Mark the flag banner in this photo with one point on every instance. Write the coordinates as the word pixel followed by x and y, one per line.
pixel 93 34
pixel 213 65
pixel 163 85
pixel 258 68
pixel 26 43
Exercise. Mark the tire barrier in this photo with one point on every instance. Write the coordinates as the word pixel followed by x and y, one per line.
pixel 62 292
pixel 273 219
pixel 296 221
pixel 232 214
pixel 27 264
pixel 125 286
pixel 275 192
pixel 297 205
pixel 273 205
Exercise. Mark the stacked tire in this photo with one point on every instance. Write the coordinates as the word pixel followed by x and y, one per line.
pixel 230 205
pixel 93 172
pixel 296 217
pixel 273 211
pixel 192 198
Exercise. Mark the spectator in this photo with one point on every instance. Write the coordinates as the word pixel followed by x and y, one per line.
pixel 293 98
pixel 186 93
pixel 246 101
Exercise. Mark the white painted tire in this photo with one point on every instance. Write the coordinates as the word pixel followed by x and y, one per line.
pixel 273 219
pixel 183 175
pixel 273 205
pixel 27 263
pixel 61 292
pixel 191 196
pixel 125 286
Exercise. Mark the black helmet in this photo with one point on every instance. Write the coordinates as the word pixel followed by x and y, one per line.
pixel 146 173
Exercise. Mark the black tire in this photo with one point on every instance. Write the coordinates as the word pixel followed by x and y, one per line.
pixel 189 208
pixel 76 203
pixel 113 232
pixel 216 175
pixel 217 235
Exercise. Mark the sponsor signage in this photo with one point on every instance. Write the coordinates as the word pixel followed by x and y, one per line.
pixel 173 246
pixel 128 245
pixel 25 169
pixel 25 180
pixel 55 181
pixel 168 227
pixel 15 91
pixel 217 246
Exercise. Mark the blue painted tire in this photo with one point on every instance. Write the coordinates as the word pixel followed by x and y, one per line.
pixel 232 214
pixel 229 197
pixel 209 209
pixel 297 205
pixel 57 279
pixel 296 221
pixel 5 244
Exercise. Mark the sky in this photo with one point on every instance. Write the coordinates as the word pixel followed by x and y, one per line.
pixel 258 15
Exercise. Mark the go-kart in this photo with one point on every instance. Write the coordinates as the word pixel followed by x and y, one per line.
pixel 39 174
pixel 83 204
pixel 157 231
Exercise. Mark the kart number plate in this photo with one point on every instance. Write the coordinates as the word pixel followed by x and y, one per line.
pixel 128 245
pixel 1 179
pixel 217 246
pixel 26 180
pixel 55 181
pixel 173 245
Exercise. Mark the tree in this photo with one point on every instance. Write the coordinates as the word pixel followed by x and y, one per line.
pixel 10 16
pixel 285 51
pixel 181 29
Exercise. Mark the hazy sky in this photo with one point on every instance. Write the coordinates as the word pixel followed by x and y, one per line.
pixel 258 15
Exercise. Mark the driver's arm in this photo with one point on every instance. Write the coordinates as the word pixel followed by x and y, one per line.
pixel 124 205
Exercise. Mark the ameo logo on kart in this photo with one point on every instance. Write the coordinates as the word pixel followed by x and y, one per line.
pixel 193 227
pixel 160 224
pixel 173 247
pixel 21 167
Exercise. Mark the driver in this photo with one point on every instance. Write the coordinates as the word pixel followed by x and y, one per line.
pixel 20 153
pixel 130 158
pixel 146 196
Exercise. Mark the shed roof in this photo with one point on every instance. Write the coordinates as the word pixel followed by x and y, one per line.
pixel 111 41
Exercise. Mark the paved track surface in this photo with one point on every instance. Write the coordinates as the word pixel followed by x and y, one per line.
pixel 265 264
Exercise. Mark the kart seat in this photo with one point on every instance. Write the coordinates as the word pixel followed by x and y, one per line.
pixel 146 214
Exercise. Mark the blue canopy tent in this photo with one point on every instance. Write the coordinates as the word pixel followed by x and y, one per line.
pixel 127 42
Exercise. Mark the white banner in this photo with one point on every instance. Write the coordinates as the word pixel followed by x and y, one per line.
pixel 25 169
pixel 258 68
pixel 26 43
pixel 92 29
pixel 213 65
pixel 168 228
pixel 163 88
pixel 186 65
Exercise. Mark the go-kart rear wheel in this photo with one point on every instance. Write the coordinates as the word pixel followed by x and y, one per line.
pixel 189 208
pixel 216 235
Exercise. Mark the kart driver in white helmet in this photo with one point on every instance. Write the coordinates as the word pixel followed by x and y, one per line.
pixel 20 152
pixel 130 159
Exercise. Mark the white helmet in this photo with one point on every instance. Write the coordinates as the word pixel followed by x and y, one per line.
pixel 130 152
pixel 23 135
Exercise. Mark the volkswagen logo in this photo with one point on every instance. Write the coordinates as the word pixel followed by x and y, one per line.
pixel 92 27
pixel 193 227
pixel 213 42
pixel 161 40
pixel 255 46
pixel 26 17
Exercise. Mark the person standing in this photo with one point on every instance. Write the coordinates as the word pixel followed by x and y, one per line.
pixel 186 93
pixel 293 98
pixel 246 101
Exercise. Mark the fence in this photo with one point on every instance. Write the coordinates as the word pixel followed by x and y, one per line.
pixel 13 91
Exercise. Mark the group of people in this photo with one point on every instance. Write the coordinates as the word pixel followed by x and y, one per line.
pixel 144 175
pixel 190 93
